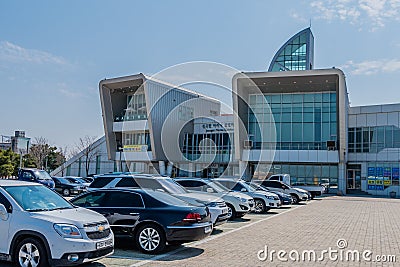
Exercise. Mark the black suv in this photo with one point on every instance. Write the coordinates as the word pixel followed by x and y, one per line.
pixel 67 188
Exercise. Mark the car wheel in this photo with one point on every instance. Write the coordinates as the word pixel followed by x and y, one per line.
pixel 231 212
pixel 66 192
pixel 295 199
pixel 259 206
pixel 30 252
pixel 150 238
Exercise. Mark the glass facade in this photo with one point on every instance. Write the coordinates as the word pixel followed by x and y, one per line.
pixel 373 139
pixel 131 139
pixel 135 108
pixel 192 149
pixel 296 54
pixel 302 121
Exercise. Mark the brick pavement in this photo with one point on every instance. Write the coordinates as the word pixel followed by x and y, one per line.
pixel 365 223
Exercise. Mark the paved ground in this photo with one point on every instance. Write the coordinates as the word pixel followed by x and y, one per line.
pixel 361 223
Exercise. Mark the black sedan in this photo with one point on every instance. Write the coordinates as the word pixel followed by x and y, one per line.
pixel 153 218
pixel 67 188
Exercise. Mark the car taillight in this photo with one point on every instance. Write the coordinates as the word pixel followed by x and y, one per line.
pixel 192 217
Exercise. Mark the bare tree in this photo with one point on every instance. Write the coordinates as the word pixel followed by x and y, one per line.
pixel 86 145
pixel 39 151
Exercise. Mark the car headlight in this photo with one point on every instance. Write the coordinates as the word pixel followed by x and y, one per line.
pixel 211 204
pixel 270 197
pixel 67 230
pixel 241 199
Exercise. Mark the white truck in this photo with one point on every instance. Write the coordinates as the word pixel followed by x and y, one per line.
pixel 315 190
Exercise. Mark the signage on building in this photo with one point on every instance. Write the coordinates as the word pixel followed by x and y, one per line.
pixel 134 148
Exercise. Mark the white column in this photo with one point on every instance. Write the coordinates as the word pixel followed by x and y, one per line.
pixel 161 166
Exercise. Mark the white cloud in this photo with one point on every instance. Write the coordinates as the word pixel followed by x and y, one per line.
pixel 374 13
pixel 373 66
pixel 10 52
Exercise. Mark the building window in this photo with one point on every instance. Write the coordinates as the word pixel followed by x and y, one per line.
pixel 302 121
pixel 373 139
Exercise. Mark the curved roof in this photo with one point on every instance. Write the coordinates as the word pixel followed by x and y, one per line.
pixel 296 54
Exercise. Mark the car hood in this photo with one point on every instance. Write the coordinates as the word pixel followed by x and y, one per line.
pixel 300 190
pixel 281 194
pixel 75 216
pixel 202 197
pixel 238 194
pixel 265 193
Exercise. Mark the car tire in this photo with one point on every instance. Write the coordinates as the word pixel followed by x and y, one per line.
pixel 231 212
pixel 150 239
pixel 66 192
pixel 30 252
pixel 295 199
pixel 259 206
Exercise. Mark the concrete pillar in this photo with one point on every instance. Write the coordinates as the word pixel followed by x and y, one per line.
pixel 161 166
pixel 169 168
pixel 244 171
pixel 342 178
pixel 191 169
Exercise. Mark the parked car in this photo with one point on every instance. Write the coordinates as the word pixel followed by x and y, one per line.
pixel 217 207
pixel 35 175
pixel 238 203
pixel 38 227
pixel 153 218
pixel 79 180
pixel 67 188
pixel 297 194
pixel 263 200
pixel 285 199
pixel 313 189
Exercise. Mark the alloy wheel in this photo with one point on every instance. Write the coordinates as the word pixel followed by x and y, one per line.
pixel 149 239
pixel 28 255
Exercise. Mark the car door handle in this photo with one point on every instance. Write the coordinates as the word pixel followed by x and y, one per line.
pixel 134 213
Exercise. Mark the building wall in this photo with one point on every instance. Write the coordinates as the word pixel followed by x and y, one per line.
pixel 376 148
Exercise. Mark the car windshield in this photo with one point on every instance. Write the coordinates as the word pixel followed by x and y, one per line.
pixel 64 181
pixel 163 184
pixel 42 175
pixel 218 186
pixel 37 198
pixel 248 187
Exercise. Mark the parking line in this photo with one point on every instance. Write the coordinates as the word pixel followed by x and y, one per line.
pixel 141 263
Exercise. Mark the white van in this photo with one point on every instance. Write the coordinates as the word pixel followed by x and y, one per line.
pixel 40 228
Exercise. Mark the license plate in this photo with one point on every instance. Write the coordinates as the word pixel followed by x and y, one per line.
pixel 104 244
pixel 208 229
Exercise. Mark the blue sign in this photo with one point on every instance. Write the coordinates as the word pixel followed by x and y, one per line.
pixel 395 173
pixel 379 171
pixel 371 171
pixel 371 187
pixel 379 187
pixel 387 172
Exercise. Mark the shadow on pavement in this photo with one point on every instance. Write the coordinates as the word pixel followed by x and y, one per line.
pixel 241 220
pixel 184 253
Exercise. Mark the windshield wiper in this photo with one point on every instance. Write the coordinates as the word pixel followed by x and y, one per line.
pixel 61 208
pixel 34 210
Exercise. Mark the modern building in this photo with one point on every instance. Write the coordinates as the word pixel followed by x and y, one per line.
pixel 291 119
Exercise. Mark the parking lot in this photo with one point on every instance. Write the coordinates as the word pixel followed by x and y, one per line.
pixel 363 223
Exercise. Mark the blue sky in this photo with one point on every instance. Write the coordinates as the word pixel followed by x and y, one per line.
pixel 54 53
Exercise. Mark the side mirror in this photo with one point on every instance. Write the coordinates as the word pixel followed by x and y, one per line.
pixel 3 213
pixel 210 190
pixel 243 190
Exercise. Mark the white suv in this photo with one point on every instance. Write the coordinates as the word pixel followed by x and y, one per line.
pixel 39 228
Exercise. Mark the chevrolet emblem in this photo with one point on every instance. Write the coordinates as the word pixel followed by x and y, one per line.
pixel 100 228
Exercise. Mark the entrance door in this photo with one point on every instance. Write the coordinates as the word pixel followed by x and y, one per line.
pixel 353 180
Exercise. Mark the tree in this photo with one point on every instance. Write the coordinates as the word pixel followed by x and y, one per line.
pixel 86 145
pixel 39 151
pixel 9 162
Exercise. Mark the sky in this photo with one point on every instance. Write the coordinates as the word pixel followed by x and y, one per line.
pixel 53 54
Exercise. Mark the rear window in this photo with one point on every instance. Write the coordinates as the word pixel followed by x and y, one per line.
pixel 101 182
pixel 127 182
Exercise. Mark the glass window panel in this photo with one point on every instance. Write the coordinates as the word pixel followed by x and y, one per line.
pixel 297 132
pixel 297 98
pixel 297 117
pixel 309 98
pixel 276 99
pixel 308 132
pixel 287 98
pixel 286 132
pixel 325 97
pixel 286 117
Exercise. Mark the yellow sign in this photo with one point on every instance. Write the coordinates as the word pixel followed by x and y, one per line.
pixel 135 148
pixel 371 181
pixel 387 182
